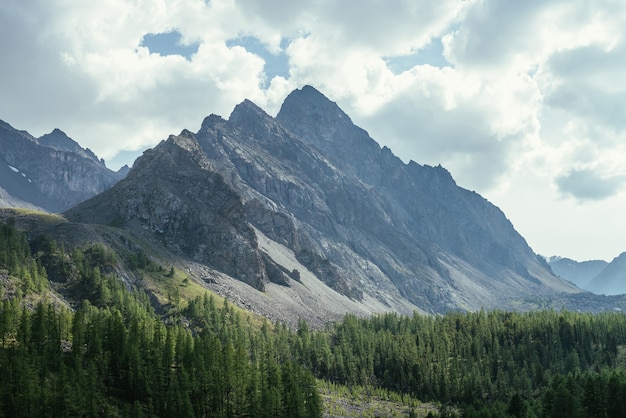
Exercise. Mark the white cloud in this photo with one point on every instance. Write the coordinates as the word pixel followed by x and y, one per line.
pixel 535 93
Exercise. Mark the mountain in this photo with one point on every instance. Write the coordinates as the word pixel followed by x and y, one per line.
pixel 190 209
pixel 309 209
pixel 52 172
pixel 612 279
pixel 58 140
pixel 579 273
pixel 595 276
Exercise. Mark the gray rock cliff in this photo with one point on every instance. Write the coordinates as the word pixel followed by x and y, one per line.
pixel 173 193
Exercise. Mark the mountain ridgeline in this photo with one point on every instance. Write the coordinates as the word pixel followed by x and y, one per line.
pixel 323 241
pixel 596 276
pixel 50 173
pixel 255 196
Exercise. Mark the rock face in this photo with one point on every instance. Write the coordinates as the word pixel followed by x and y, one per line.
pixel 52 172
pixel 353 214
pixel 173 194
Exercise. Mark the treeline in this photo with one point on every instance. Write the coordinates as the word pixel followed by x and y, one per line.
pixel 467 356
pixel 15 257
pixel 96 362
pixel 114 356
pixel 493 363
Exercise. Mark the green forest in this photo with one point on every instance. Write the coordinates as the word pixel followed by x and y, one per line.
pixel 115 354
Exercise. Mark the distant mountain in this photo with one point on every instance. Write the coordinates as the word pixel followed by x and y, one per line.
pixel 579 273
pixel 52 172
pixel 308 201
pixel 595 276
pixel 612 279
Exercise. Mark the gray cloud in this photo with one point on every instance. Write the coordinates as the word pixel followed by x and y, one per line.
pixel 589 84
pixel 534 87
pixel 494 32
pixel 394 27
pixel 37 88
pixel 587 185
pixel 461 138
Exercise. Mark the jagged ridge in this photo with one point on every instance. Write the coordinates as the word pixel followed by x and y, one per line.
pixel 52 172
pixel 366 224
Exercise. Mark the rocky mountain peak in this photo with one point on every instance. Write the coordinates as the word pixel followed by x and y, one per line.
pixel 248 117
pixel 612 279
pixel 123 171
pixel 58 140
pixel 317 117
pixel 4 125
pixel 186 140
pixel 211 122
pixel 320 122
pixel 6 130
pixel 176 151
pixel 185 133
pixel 579 273
pixel 245 195
pixel 312 103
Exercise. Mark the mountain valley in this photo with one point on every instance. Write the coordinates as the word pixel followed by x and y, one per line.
pixel 285 266
pixel 304 215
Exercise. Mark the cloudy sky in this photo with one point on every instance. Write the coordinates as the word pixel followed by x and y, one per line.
pixel 523 101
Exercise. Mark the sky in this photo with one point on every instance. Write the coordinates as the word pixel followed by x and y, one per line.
pixel 523 102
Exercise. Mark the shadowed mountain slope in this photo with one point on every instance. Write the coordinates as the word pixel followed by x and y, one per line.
pixel 52 172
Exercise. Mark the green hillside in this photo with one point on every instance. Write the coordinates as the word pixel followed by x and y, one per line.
pixel 78 339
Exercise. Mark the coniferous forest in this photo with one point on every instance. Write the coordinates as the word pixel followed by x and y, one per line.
pixel 114 354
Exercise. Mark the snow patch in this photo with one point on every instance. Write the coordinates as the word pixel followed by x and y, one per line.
pixel 15 170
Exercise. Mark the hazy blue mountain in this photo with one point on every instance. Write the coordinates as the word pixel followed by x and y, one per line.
pixel 52 172
pixel 612 279
pixel 579 273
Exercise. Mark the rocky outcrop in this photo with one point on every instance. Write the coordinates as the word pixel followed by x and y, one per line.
pixel 57 139
pixel 173 194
